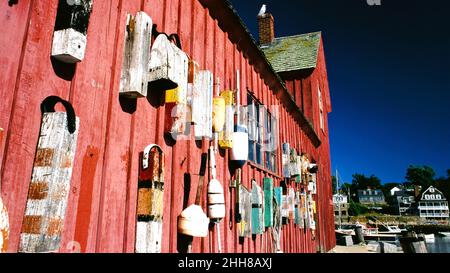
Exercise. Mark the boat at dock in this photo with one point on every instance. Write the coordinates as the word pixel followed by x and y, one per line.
pixel 444 234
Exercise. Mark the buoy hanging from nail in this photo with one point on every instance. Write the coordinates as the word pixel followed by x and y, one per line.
pixel 176 123
pixel 193 221
pixel 169 65
pixel 293 165
pixel 150 204
pixel 239 152
pixel 245 210
pixel 268 202
pixel 202 105
pixel 257 209
pixel 71 26
pixel 286 160
pixel 136 55
pixel 216 197
pixel 226 136
pixel 50 183
pixel 218 114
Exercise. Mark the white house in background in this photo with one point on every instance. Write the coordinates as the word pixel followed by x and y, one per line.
pixel 340 200
pixel 433 205
pixel 394 190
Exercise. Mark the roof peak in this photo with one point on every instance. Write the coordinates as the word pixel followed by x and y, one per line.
pixel 299 35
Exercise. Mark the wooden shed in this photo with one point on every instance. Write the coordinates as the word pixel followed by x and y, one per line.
pixel 114 130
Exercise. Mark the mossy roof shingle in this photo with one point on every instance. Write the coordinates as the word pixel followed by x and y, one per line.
pixel 294 52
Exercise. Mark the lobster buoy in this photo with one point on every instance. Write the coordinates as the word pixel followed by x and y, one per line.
pixel 169 65
pixel 226 137
pixel 218 114
pixel 239 152
pixel 216 200
pixel 193 222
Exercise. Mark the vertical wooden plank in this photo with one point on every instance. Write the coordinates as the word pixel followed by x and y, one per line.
pixel 24 121
pixel 118 153
pixel 92 74
pixel 157 11
pixel 15 18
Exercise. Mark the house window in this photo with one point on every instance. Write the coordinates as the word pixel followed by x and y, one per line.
pixel 322 123
pixel 262 133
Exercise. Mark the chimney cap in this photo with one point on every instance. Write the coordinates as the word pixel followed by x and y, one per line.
pixel 262 11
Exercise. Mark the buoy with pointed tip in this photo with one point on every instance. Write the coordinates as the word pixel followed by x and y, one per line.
pixel 239 152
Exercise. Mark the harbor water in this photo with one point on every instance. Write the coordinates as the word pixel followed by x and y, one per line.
pixel 440 245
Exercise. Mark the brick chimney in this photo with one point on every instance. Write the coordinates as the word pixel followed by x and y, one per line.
pixel 266 28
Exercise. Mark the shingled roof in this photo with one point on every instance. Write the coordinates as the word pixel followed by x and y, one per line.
pixel 294 52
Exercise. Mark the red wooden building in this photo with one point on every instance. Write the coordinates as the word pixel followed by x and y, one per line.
pixel 101 211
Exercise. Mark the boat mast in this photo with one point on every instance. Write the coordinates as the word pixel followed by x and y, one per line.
pixel 339 199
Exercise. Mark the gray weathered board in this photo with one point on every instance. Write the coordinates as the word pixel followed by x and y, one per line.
pixel 286 160
pixel 50 184
pixel 136 55
pixel 202 100
pixel 245 209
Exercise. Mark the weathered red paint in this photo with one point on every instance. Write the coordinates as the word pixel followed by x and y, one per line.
pixel 102 201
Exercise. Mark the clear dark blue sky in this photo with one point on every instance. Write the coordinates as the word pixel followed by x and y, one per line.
pixel 389 73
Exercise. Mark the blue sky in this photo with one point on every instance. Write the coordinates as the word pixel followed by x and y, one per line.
pixel 389 74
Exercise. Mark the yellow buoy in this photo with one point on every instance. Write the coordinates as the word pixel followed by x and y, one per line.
pixel 226 136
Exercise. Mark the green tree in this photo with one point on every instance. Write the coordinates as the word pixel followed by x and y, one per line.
pixel 420 176
pixel 443 184
pixel 362 182
pixel 386 188
pixel 356 209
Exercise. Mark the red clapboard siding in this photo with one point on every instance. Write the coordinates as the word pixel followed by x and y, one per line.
pixel 113 130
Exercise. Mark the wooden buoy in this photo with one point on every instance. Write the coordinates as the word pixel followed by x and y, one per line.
pixel 245 210
pixel 291 203
pixel 216 197
pixel 297 216
pixel 218 114
pixel 293 164
pixel 257 209
pixel 4 220
pixel 202 101
pixel 50 183
pixel 239 152
pixel 304 210
pixel 284 206
pixel 304 170
pixel 169 65
pixel 136 55
pixel 150 204
pixel 226 136
pixel 193 221
pixel 277 219
pixel 311 212
pixel 312 183
pixel 70 36
pixel 268 202
pixel 177 117
pixel 286 160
